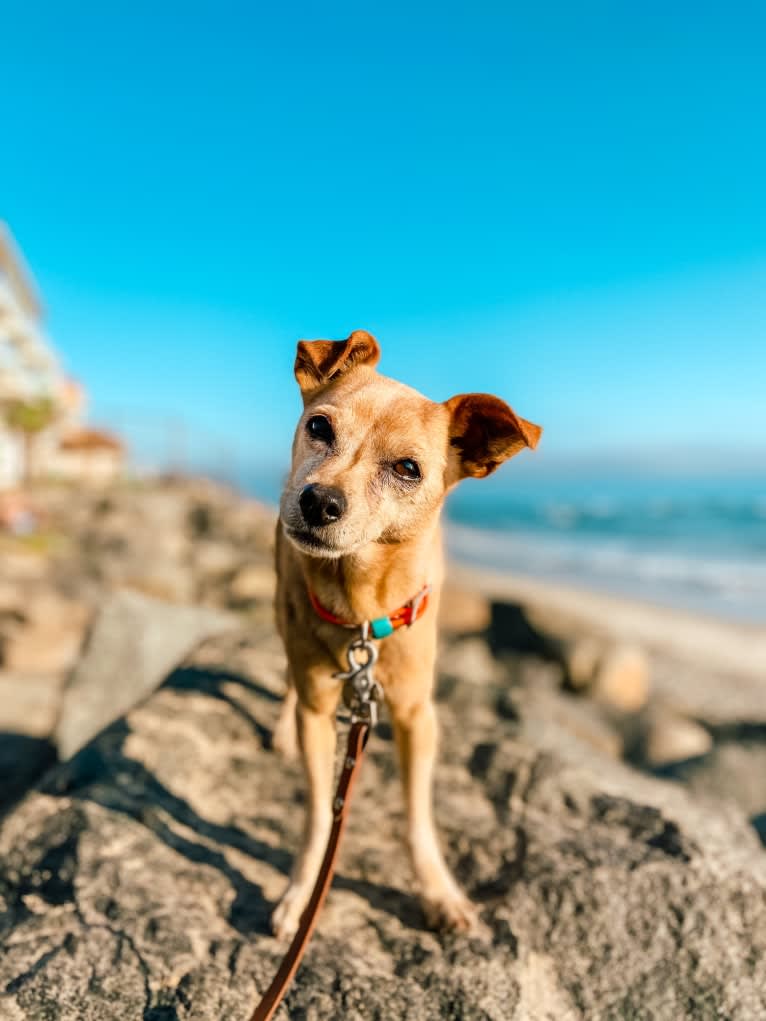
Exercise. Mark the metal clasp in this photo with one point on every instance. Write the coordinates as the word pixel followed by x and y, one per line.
pixel 361 692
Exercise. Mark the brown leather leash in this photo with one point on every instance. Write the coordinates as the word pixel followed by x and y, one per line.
pixel 357 739
pixel 361 693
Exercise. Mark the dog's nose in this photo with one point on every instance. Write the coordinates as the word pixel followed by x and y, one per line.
pixel 321 505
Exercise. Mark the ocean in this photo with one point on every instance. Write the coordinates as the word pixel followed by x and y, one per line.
pixel 694 543
pixel 691 542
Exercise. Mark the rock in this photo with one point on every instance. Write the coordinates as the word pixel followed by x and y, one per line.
pixel 712 671
pixel 715 698
pixel 10 598
pixel 227 516
pixel 622 678
pixel 137 880
pixel 572 721
pixel 23 567
pixel 462 610
pixel 734 771
pixel 581 658
pixel 470 660
pixel 168 581
pixel 512 630
pixel 615 674
pixel 720 649
pixel 249 525
pixel 23 759
pixel 672 738
pixel 251 584
pixel 29 703
pixel 134 642
pixel 215 559
pixel 50 638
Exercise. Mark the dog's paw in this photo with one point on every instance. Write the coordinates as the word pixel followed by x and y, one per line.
pixel 287 914
pixel 452 912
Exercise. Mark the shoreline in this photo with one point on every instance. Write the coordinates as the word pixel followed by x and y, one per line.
pixel 709 643
pixel 732 589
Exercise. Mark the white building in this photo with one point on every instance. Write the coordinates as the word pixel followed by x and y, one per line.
pixel 29 368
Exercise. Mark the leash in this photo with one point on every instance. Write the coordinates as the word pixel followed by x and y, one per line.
pixel 362 694
pixel 357 739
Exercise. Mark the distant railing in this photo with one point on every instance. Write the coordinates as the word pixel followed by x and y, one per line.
pixel 160 442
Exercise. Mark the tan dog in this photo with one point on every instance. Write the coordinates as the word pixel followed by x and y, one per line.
pixel 359 531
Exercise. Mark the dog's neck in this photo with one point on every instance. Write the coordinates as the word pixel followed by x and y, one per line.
pixel 377 579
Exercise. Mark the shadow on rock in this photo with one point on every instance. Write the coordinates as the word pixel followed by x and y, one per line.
pixel 510 630
pixel 103 774
pixel 213 682
pixel 23 759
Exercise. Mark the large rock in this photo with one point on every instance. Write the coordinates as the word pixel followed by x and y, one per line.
pixel 48 638
pixel 712 671
pixel 622 678
pixel 137 882
pixel 734 771
pixel 616 674
pixel 715 698
pixel 134 642
pixel 462 610
pixel 29 703
pixel 669 739
pixel 252 583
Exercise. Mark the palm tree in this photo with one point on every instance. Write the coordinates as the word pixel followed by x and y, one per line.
pixel 30 417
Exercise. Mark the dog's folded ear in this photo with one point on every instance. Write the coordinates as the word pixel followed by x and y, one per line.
pixel 483 433
pixel 319 361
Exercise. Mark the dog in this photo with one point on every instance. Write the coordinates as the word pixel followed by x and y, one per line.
pixel 358 537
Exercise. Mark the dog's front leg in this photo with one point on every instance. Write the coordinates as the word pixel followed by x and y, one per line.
pixel 285 737
pixel 316 733
pixel 444 903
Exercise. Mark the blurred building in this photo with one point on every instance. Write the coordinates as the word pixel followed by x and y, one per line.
pixel 41 410
pixel 88 455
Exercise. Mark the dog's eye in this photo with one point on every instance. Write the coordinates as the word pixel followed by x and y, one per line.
pixel 407 469
pixel 318 427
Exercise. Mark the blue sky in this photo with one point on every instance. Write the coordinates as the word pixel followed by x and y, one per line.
pixel 560 203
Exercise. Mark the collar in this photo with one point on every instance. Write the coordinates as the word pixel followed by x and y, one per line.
pixel 381 627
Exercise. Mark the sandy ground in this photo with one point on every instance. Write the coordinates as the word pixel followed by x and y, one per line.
pixel 709 643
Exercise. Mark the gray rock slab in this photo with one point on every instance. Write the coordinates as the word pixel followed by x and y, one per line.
pixel 134 642
pixel 136 883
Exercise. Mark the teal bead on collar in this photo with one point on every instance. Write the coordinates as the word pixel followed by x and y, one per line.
pixel 381 628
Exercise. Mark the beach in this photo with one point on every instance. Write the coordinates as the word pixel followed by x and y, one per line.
pixel 709 645
pixel 600 785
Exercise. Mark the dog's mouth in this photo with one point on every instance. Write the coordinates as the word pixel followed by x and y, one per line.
pixel 309 541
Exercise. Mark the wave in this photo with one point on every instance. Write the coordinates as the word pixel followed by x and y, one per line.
pixel 733 585
pixel 650 518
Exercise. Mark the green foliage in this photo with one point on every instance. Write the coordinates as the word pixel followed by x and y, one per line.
pixel 30 416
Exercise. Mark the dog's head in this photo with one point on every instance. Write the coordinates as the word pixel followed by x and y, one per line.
pixel 373 458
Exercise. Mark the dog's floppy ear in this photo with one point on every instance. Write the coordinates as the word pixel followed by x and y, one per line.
pixel 483 433
pixel 319 361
